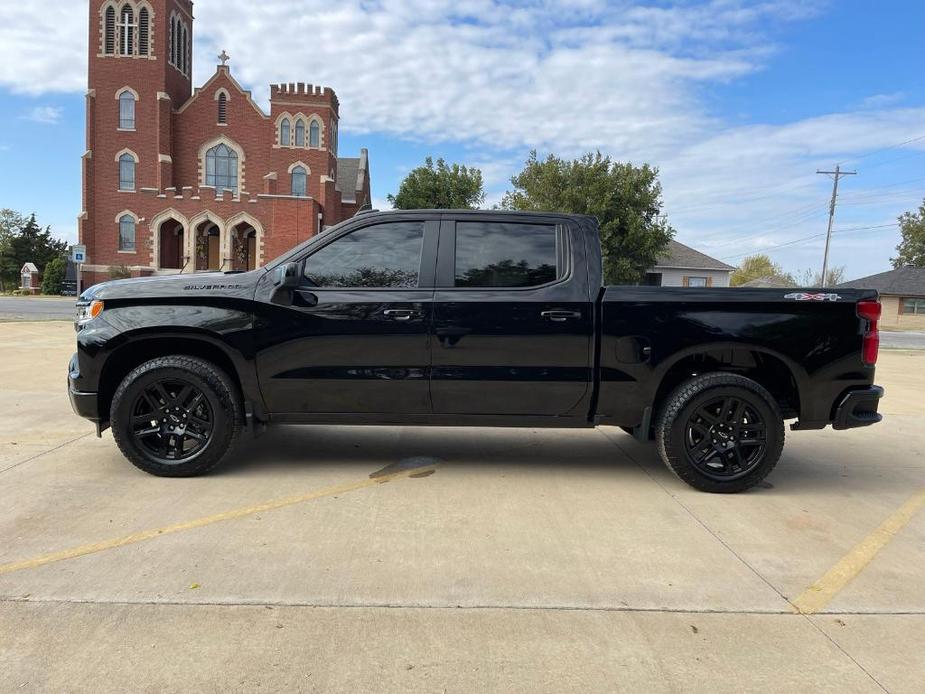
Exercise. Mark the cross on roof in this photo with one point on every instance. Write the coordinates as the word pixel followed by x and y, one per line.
pixel 224 57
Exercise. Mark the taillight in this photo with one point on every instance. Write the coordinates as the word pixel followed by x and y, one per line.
pixel 870 310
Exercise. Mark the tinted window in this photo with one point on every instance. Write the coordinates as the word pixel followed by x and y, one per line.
pixel 490 254
pixel 385 255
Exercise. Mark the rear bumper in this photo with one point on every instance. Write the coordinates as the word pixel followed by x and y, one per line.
pixel 858 408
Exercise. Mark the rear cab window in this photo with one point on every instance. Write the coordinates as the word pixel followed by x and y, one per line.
pixel 499 254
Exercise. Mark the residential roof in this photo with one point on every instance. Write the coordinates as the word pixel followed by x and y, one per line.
pixel 904 281
pixel 29 267
pixel 681 256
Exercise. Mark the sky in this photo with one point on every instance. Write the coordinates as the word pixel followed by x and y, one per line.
pixel 736 103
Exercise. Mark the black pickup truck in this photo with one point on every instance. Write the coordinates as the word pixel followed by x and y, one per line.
pixel 466 318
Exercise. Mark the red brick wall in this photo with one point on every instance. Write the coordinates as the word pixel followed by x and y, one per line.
pixel 171 130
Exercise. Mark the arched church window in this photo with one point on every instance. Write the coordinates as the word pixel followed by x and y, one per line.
pixel 126 110
pixel 109 31
pixel 314 134
pixel 126 233
pixel 285 134
pixel 126 172
pixel 299 181
pixel 222 168
pixel 127 31
pixel 300 133
pixel 143 31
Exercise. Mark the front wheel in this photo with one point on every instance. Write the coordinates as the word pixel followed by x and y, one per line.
pixel 720 432
pixel 176 416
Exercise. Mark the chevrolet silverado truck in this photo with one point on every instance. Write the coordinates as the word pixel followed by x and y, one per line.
pixel 466 318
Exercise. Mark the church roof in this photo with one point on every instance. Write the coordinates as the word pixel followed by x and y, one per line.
pixel 352 173
pixel 347 170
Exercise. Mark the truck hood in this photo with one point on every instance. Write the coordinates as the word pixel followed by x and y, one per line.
pixel 231 284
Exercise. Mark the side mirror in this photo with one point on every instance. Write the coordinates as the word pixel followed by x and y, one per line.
pixel 286 278
pixel 288 275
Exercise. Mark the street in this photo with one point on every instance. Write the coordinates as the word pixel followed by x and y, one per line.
pixel 339 559
pixel 36 308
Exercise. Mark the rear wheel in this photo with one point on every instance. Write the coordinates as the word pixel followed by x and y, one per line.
pixel 176 416
pixel 720 432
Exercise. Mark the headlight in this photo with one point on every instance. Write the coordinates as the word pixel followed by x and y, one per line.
pixel 88 310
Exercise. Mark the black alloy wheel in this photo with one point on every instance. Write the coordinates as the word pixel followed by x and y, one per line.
pixel 720 432
pixel 176 416
pixel 725 438
pixel 172 419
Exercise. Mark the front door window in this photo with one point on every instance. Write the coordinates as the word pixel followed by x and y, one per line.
pixel 380 256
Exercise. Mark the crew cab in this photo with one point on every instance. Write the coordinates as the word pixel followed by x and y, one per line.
pixel 469 318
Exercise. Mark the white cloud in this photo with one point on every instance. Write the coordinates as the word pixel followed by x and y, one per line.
pixel 883 100
pixel 44 114
pixel 43 48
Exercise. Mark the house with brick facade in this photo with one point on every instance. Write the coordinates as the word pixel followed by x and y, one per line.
pixel 183 180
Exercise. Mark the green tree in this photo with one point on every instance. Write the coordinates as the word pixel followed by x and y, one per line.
pixel 34 244
pixel 53 277
pixel 912 248
pixel 11 223
pixel 625 199
pixel 759 266
pixel 443 186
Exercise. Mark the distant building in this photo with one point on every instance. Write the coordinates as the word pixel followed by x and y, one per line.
pixel 682 266
pixel 902 293
pixel 31 279
pixel 177 180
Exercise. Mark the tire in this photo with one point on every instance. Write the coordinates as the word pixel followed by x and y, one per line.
pixel 720 433
pixel 176 416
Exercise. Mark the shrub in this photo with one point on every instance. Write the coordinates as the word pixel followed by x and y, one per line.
pixel 53 277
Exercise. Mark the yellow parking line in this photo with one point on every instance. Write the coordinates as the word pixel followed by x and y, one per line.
pixel 83 550
pixel 819 594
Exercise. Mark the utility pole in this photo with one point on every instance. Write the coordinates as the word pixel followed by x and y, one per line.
pixel 837 174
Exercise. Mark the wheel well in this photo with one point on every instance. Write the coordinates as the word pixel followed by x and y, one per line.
pixel 133 354
pixel 766 369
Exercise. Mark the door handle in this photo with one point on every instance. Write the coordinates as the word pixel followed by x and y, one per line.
pixel 560 316
pixel 402 314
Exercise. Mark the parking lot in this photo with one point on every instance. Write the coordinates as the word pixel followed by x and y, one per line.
pixel 453 560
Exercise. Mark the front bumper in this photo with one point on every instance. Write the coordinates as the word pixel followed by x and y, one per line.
pixel 84 404
pixel 858 408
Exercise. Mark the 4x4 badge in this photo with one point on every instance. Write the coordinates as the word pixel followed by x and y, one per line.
pixel 806 296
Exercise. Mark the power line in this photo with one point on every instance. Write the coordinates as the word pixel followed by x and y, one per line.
pixel 794 242
pixel 802 218
pixel 884 149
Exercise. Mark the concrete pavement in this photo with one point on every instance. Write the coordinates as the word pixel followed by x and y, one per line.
pixel 414 559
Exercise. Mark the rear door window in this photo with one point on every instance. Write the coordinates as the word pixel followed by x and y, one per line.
pixel 492 254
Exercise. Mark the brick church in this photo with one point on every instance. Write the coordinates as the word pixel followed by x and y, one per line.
pixel 177 180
